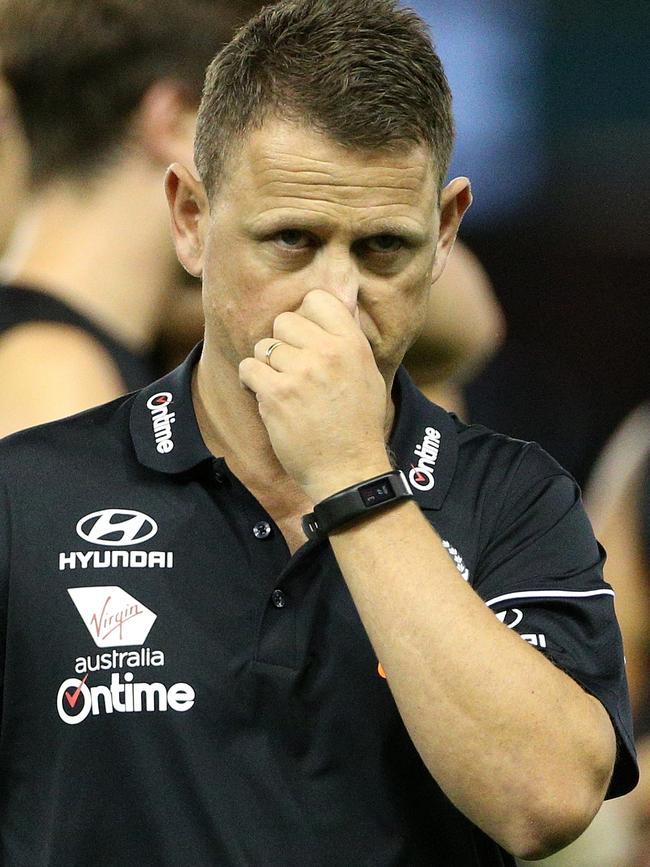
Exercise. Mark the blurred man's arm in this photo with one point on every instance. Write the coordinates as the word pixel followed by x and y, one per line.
pixel 619 461
pixel 48 371
pixel 13 165
pixel 465 326
pixel 627 571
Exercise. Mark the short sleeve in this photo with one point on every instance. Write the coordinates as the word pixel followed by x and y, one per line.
pixel 541 574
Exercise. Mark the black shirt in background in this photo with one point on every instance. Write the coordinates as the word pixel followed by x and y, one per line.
pixel 20 305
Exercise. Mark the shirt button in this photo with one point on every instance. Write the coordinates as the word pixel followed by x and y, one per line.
pixel 262 529
pixel 278 599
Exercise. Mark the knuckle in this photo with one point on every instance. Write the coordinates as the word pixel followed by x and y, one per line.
pixel 312 374
pixel 311 299
pixel 330 352
pixel 282 320
pixel 281 391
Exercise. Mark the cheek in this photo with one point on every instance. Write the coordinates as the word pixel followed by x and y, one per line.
pixel 396 314
pixel 416 296
pixel 242 300
pixel 397 302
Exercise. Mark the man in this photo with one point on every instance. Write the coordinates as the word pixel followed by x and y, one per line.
pixel 107 92
pixel 188 678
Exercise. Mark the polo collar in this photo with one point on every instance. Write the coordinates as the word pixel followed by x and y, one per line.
pixel 166 435
pixel 164 430
pixel 424 442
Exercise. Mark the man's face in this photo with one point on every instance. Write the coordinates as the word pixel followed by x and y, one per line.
pixel 296 212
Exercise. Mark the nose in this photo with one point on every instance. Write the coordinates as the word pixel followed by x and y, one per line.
pixel 337 272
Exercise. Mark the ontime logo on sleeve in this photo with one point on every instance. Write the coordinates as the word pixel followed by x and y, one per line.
pixel 115 619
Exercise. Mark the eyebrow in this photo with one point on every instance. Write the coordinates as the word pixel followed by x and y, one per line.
pixel 395 227
pixel 269 224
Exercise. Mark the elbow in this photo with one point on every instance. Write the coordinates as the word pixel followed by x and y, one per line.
pixel 562 806
pixel 552 824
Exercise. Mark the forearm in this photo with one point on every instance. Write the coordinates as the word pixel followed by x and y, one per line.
pixel 514 742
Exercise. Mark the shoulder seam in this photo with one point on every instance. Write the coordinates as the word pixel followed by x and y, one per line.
pixel 513 475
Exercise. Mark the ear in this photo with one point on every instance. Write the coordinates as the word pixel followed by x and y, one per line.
pixel 190 213
pixel 455 199
pixel 165 124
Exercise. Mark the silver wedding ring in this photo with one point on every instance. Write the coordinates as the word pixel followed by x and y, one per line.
pixel 270 350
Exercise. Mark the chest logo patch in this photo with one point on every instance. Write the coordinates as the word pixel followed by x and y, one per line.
pixel 117 531
pixel 112 616
pixel 116 527
pixel 115 619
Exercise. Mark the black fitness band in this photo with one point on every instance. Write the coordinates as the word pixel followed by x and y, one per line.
pixel 355 502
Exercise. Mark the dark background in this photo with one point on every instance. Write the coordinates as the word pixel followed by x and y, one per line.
pixel 552 102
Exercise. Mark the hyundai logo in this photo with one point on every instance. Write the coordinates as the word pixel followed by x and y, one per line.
pixel 511 618
pixel 116 527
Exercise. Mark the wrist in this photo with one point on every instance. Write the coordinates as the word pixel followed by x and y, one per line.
pixel 342 477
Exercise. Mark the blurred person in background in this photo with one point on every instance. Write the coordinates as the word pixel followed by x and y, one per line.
pixel 617 498
pixel 13 164
pixel 618 501
pixel 464 327
pixel 106 92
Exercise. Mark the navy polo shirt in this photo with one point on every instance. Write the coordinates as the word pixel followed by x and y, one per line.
pixel 177 689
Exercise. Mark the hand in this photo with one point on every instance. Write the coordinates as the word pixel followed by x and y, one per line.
pixel 320 396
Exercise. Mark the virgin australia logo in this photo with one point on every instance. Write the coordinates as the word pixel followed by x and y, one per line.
pixel 112 616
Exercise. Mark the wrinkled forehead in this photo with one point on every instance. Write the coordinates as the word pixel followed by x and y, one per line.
pixel 285 162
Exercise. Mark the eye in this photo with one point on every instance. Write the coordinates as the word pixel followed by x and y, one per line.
pixel 292 239
pixel 384 244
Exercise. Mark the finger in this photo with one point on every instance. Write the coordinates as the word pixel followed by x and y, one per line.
pixel 328 311
pixel 292 327
pixel 256 376
pixel 281 357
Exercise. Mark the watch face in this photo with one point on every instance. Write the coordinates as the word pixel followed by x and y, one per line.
pixel 379 491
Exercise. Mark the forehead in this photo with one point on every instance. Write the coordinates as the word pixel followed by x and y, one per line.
pixel 283 166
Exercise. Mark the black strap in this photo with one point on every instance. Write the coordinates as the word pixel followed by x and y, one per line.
pixel 355 502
